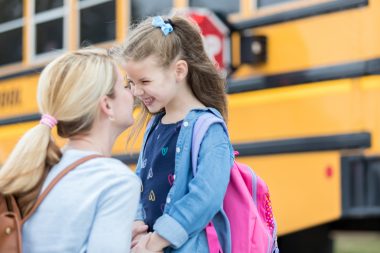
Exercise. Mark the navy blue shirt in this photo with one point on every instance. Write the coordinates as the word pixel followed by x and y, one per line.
pixel 157 169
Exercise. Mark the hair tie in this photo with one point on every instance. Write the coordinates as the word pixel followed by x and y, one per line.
pixel 166 27
pixel 48 120
pixel 169 21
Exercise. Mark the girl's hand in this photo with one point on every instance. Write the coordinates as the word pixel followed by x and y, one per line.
pixel 141 245
pixel 156 242
pixel 139 228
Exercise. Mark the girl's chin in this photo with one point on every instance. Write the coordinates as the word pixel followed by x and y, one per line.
pixel 153 109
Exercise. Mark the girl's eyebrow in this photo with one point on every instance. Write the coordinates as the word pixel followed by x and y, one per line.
pixel 140 80
pixel 144 79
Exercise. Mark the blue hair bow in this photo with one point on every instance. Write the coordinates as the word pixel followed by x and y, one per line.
pixel 166 28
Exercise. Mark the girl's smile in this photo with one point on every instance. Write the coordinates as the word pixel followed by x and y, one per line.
pixel 148 101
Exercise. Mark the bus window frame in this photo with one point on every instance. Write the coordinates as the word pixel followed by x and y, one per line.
pixel 249 8
pixel 69 12
pixel 248 19
pixel 42 17
pixel 286 6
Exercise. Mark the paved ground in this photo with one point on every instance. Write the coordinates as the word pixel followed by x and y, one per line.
pixel 356 242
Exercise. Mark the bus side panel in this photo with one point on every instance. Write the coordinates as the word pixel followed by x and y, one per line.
pixel 305 187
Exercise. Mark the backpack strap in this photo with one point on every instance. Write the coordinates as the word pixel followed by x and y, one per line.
pixel 55 181
pixel 200 128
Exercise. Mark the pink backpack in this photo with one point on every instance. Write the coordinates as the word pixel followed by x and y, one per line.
pixel 246 203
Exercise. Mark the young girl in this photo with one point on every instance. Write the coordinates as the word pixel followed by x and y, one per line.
pixel 92 208
pixel 169 71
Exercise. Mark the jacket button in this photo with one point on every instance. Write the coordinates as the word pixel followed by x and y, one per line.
pixel 8 230
pixel 185 124
pixel 168 200
pixel 178 149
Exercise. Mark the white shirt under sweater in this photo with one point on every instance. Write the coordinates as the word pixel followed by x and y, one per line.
pixel 90 210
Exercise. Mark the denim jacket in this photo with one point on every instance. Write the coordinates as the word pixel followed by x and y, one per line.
pixel 193 201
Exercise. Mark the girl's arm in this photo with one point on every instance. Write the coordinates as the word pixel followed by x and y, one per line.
pixel 116 210
pixel 190 214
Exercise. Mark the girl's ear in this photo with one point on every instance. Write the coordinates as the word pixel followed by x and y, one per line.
pixel 181 70
pixel 106 107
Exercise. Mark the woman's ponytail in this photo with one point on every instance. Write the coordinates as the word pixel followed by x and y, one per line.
pixel 26 168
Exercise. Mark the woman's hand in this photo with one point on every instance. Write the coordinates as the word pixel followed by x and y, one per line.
pixel 141 246
pixel 156 243
pixel 139 229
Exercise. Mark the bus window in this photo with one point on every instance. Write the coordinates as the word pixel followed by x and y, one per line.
pixel 47 40
pixel 223 7
pixel 10 10
pixel 144 8
pixel 48 26
pixel 97 21
pixel 264 3
pixel 44 5
pixel 10 31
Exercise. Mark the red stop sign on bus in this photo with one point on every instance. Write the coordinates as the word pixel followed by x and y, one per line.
pixel 216 35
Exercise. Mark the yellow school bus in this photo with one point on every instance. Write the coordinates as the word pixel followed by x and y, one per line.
pixel 303 92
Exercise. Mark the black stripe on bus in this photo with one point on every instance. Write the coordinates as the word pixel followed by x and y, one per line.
pixel 314 10
pixel 294 145
pixel 307 144
pixel 33 71
pixel 20 119
pixel 347 70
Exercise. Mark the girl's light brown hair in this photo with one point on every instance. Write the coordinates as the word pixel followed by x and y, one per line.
pixel 69 89
pixel 183 43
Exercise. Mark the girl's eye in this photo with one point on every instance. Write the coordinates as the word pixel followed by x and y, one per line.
pixel 145 81
pixel 128 84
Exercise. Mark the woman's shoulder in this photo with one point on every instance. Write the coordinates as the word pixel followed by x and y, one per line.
pixel 100 167
pixel 112 167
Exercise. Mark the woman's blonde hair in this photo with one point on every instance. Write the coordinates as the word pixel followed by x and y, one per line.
pixel 185 43
pixel 69 89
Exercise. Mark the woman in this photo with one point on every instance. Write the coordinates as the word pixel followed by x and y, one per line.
pixel 92 208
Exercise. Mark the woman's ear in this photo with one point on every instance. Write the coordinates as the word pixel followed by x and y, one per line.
pixel 181 70
pixel 106 107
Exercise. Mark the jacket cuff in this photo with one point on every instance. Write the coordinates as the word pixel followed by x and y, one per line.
pixel 171 230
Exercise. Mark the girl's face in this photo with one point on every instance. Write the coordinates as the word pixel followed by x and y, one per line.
pixel 122 103
pixel 154 85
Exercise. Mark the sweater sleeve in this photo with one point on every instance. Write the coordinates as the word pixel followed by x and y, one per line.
pixel 116 210
pixel 190 214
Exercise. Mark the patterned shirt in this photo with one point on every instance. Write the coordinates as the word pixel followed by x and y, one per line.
pixel 157 169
